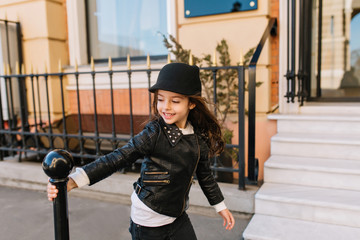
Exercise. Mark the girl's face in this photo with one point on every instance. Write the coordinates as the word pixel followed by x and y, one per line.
pixel 174 107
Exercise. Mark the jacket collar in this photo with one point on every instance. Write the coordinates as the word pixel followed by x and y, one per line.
pixel 172 132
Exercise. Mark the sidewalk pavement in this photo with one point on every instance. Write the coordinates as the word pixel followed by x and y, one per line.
pixel 101 211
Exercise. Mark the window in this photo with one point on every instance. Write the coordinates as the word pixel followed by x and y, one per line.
pixel 336 49
pixel 116 28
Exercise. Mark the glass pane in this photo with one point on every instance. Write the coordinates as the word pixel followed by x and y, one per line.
pixel 120 27
pixel 340 49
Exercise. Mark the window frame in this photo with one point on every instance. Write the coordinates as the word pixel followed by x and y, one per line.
pixel 77 32
pixel 170 6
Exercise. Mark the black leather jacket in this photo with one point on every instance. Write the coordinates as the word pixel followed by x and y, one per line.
pixel 170 162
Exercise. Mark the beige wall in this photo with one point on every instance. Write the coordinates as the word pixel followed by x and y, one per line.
pixel 44 35
pixel 241 30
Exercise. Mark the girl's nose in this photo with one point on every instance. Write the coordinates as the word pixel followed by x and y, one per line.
pixel 167 104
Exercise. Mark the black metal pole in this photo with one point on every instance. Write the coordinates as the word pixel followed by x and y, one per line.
pixel 131 106
pixel 96 125
pixel 292 60
pixel 80 133
pixel 57 165
pixel 251 122
pixel 113 128
pixel 241 115
pixel 318 77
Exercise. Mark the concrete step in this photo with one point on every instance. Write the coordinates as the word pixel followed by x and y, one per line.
pixel 317 145
pixel 264 227
pixel 339 109
pixel 311 123
pixel 317 172
pixel 321 205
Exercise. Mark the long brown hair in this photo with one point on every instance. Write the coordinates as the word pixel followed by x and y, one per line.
pixel 203 121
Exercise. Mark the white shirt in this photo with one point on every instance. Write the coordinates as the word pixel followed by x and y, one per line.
pixel 140 213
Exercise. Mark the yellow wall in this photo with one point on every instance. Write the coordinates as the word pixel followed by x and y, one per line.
pixel 241 30
pixel 44 36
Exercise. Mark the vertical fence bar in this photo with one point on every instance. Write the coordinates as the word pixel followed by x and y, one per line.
pixel 149 94
pixel 7 102
pixel 113 129
pixel 251 130
pixel 14 122
pixel 95 114
pixel 241 124
pixel 131 108
pixel 215 91
pixel 1 126
pixel 214 71
pixel 293 32
pixel 7 41
pixel 80 133
pixel 11 119
pixel 39 102
pixel 50 134
pixel 22 114
pixel 149 82
pixel 318 77
pixel 65 139
pixel 22 118
pixel 34 110
pixel 9 113
pixel 287 95
pixel 22 86
pixel 301 52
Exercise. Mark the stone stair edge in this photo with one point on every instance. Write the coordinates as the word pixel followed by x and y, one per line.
pixel 301 200
pixel 345 166
pixel 266 227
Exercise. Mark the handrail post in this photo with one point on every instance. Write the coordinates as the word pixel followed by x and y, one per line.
pixel 57 165
pixel 251 123
pixel 271 29
pixel 241 116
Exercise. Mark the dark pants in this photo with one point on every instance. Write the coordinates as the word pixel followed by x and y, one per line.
pixel 180 229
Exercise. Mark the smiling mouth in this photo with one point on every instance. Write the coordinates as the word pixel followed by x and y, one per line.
pixel 168 115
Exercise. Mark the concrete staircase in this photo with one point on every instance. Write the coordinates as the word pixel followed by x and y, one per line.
pixel 311 184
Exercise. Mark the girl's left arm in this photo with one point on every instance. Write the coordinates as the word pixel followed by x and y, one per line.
pixel 210 187
pixel 206 179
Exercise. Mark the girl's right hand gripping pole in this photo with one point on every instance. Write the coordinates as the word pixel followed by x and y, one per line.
pixel 57 165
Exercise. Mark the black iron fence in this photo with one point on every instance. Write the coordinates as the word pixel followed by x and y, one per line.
pixel 44 122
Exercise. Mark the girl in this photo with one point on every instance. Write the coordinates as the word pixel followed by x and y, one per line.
pixel 175 146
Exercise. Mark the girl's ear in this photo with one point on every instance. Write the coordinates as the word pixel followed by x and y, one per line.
pixel 192 105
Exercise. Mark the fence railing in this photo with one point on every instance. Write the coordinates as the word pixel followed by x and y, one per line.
pixel 88 136
pixel 58 116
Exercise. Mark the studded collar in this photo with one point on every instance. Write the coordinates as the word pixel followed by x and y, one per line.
pixel 172 132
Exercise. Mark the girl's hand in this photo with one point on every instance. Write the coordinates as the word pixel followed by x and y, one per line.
pixel 229 220
pixel 52 191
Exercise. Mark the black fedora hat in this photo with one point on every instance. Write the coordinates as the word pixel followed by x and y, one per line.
pixel 179 78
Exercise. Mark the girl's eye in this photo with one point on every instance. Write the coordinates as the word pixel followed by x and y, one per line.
pixel 160 100
pixel 175 101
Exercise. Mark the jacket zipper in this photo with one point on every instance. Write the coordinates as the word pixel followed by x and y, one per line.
pixel 153 173
pixel 192 176
pixel 156 181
